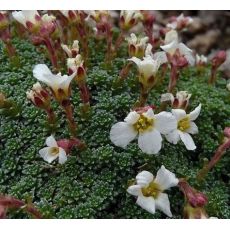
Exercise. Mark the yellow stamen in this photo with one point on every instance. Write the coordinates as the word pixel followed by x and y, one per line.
pixel 152 189
pixel 54 151
pixel 183 124
pixel 144 123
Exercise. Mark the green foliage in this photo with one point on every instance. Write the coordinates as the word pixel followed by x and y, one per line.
pixel 93 183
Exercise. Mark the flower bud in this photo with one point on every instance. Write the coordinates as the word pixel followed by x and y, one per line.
pixel 4 22
pixel 39 96
pixel 194 213
pixel 180 22
pixel 72 51
pixel 219 58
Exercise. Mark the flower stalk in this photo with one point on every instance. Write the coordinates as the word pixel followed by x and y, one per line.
pixel 7 202
pixel 219 153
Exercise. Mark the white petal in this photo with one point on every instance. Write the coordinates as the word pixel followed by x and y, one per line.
pixel 122 133
pixel 184 50
pixel 43 73
pixel 136 60
pixel 195 113
pixel 162 204
pixel 193 128
pixel 165 178
pixel 170 48
pixel 173 137
pixel 30 15
pixel 67 50
pixel 165 122
pixel 149 113
pixel 171 36
pixel 51 142
pixel 132 117
pixel 147 203
pixel 150 141
pixel 144 178
pixel 45 153
pixel 179 113
pixel 19 16
pixel 62 156
pixel 187 140
pixel 161 57
pixel 66 80
pixel 134 190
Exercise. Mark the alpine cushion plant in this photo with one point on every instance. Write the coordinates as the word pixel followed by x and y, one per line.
pixel 104 177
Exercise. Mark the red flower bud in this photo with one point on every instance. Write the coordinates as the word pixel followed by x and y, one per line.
pixel 219 58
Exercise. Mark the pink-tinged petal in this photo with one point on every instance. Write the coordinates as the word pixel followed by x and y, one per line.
pixel 51 142
pixel 147 203
pixel 195 113
pixel 150 141
pixel 179 113
pixel 134 190
pixel 62 156
pixel 132 117
pixel 165 122
pixel 173 137
pixel 165 178
pixel 122 133
pixel 187 53
pixel 193 128
pixel 187 140
pixel 144 178
pixel 163 204
pixel 42 73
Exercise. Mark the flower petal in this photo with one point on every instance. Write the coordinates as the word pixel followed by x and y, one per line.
pixel 187 140
pixel 163 204
pixel 179 113
pixel 165 178
pixel 173 137
pixel 144 178
pixel 45 153
pixel 43 73
pixel 19 16
pixel 165 122
pixel 184 50
pixel 134 190
pixel 132 117
pixel 195 113
pixel 193 128
pixel 122 133
pixel 149 113
pixel 147 203
pixel 62 156
pixel 51 142
pixel 150 141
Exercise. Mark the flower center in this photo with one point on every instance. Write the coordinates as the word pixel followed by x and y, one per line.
pixel 144 123
pixel 183 124
pixel 54 151
pixel 152 189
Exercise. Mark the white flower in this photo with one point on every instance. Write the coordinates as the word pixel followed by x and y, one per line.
pixel 48 18
pixel 52 152
pixel 172 45
pixel 149 190
pixel 129 18
pixel 60 85
pixel 180 22
pixel 147 67
pixel 185 127
pixel 70 50
pixel 133 40
pixel 201 59
pixel 24 16
pixel 147 126
pixel 75 63
pixel 161 57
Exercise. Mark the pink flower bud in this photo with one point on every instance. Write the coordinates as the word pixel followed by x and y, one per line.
pixel 219 58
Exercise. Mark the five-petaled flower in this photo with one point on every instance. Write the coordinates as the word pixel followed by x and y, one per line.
pixel 185 127
pixel 60 85
pixel 53 151
pixel 147 126
pixel 178 53
pixel 149 190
